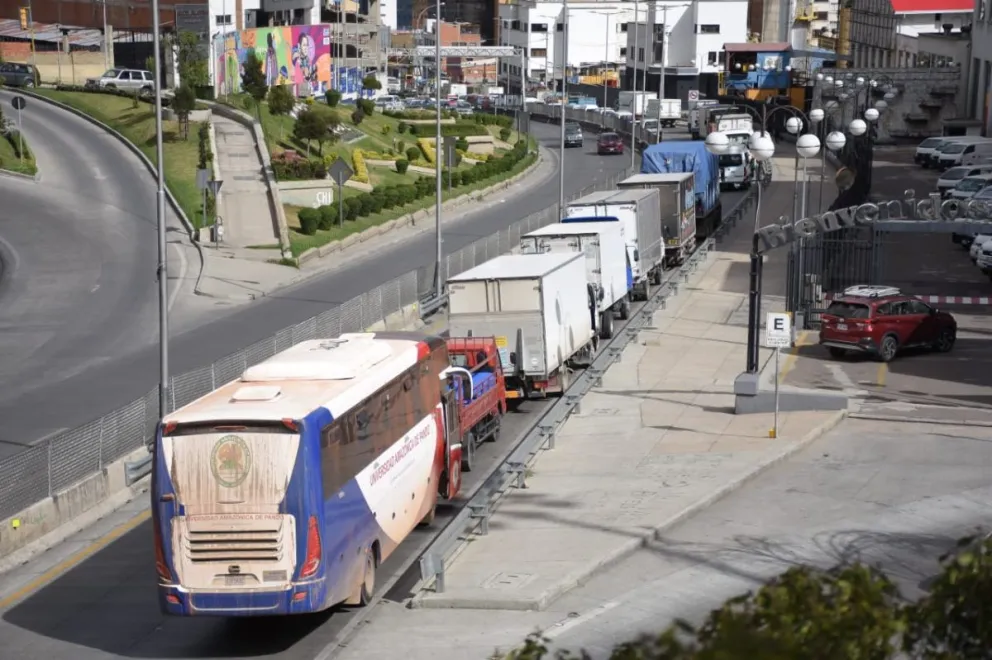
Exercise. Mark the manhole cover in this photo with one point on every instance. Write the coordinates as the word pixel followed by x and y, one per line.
pixel 508 581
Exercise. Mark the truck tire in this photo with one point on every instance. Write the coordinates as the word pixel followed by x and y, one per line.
pixel 468 452
pixel 657 275
pixel 623 309
pixel 606 325
pixel 494 436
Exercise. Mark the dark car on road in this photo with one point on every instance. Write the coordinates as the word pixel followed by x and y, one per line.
pixel 19 75
pixel 881 321
pixel 573 135
pixel 609 143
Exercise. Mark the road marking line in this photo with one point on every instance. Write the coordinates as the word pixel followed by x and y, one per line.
pixel 793 356
pixel 881 374
pixel 71 562
pixel 565 625
pixel 841 376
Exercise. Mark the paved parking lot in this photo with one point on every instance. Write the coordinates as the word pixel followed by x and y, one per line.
pixel 932 267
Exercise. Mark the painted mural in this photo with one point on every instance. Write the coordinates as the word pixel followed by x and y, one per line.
pixel 297 55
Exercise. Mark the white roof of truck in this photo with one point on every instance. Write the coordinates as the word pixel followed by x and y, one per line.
pixel 517 266
pixel 655 178
pixel 571 229
pixel 614 196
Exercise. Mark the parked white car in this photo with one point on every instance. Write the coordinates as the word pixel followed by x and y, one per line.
pixel 984 260
pixel 970 186
pixel 125 79
pixel 925 148
pixel 955 175
pixel 976 245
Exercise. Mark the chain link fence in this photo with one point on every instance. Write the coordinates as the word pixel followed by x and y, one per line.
pixel 67 458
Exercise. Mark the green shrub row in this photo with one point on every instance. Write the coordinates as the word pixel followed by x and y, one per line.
pixel 300 169
pixel 388 197
pixel 453 130
pixel 851 612
pixel 127 94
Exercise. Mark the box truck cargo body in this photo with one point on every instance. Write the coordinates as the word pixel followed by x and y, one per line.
pixel 675 156
pixel 607 266
pixel 639 212
pixel 540 309
pixel 677 199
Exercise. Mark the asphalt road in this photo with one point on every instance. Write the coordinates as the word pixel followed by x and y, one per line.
pixel 105 607
pixel 127 368
pixel 894 495
pixel 78 285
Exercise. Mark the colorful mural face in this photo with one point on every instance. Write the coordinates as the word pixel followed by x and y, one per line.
pixel 298 55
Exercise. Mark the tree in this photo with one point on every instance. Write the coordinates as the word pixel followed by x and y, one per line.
pixel 253 80
pixel 370 84
pixel 191 59
pixel 281 103
pixel 311 127
pixel 183 103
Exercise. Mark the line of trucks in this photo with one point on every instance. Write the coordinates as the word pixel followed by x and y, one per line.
pixel 738 168
pixel 547 306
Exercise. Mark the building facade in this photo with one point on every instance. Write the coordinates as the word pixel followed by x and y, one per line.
pixel 884 33
pixel 980 78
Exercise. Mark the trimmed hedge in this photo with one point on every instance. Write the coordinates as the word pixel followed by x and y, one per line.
pixel 449 130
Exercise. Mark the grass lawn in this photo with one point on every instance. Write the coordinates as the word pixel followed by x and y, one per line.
pixel 301 242
pixel 10 161
pixel 138 126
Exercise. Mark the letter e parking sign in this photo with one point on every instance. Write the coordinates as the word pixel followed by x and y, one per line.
pixel 778 330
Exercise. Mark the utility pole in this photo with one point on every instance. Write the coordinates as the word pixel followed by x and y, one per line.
pixel 633 132
pixel 163 265
pixel 438 160
pixel 661 75
pixel 564 96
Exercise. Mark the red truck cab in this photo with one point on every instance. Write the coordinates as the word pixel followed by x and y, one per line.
pixel 481 393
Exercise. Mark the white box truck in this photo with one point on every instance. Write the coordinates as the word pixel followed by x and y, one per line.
pixel 639 211
pixel 666 111
pixel 607 266
pixel 678 210
pixel 635 103
pixel 541 310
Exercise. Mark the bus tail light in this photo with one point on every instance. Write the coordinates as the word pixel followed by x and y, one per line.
pixel 161 566
pixel 312 561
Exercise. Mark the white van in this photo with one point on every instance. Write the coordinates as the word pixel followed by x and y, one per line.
pixel 951 154
pixel 978 155
pixel 953 176
pixel 925 148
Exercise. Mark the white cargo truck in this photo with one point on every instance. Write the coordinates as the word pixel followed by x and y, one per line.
pixel 607 266
pixel 665 111
pixel 678 210
pixel 636 103
pixel 541 310
pixel 639 212
pixel 738 127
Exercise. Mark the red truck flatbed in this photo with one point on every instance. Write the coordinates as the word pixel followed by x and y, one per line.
pixel 481 415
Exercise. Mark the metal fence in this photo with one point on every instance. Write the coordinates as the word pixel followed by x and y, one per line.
pixel 65 459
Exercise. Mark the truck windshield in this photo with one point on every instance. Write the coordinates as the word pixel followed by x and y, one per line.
pixel 731 160
pixel 738 139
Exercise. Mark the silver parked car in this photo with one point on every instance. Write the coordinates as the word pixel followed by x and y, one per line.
pixel 124 79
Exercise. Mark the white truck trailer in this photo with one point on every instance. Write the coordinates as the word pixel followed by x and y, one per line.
pixel 636 103
pixel 541 310
pixel 607 266
pixel 678 210
pixel 665 111
pixel 639 212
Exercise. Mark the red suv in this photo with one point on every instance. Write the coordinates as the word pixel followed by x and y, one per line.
pixel 609 143
pixel 881 321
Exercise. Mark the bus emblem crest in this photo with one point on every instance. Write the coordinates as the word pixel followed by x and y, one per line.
pixel 230 461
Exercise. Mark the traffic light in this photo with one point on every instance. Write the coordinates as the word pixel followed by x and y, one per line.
pixel 25 18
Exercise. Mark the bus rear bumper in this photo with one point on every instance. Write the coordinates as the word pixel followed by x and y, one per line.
pixel 300 598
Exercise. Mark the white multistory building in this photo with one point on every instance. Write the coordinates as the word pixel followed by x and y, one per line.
pixel 885 33
pixel 980 79
pixel 596 34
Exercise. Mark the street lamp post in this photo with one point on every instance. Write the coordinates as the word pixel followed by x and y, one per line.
pixel 633 85
pixel 438 158
pixel 564 95
pixel 762 147
pixel 163 266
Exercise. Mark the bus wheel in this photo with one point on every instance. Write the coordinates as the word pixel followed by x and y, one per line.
pixel 368 581
pixel 468 451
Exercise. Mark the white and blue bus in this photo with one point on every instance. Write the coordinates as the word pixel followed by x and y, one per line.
pixel 283 491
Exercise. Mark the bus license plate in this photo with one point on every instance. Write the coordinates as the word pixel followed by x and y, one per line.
pixel 842 326
pixel 234 580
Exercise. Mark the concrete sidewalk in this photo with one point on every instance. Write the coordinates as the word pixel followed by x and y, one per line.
pixel 654 444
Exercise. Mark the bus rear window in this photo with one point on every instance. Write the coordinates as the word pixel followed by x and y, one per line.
pixel 202 428
pixel 849 310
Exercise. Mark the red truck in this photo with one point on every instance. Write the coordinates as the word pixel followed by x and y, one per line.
pixel 481 392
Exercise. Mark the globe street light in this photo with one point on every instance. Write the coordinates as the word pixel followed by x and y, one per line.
pixel 793 125
pixel 816 115
pixel 871 114
pixel 835 141
pixel 717 143
pixel 857 127
pixel 761 147
pixel 808 145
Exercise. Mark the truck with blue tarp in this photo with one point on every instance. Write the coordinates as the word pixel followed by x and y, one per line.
pixel 689 156
pixel 639 212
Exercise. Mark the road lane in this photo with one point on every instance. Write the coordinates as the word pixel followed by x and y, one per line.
pixel 131 370
pixel 79 251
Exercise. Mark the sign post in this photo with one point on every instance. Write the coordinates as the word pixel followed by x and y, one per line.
pixel 19 103
pixel 203 183
pixel 778 335
pixel 340 171
pixel 214 187
pixel 451 155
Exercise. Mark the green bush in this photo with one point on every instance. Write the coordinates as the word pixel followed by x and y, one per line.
pixel 461 144
pixel 386 129
pixel 402 127
pixel 493 120
pixel 351 208
pixel 504 134
pixel 448 130
pixel 413 153
pixel 367 106
pixel 456 179
pixel 333 97
pixel 377 203
pixel 364 204
pixel 299 169
pixel 401 166
pixel 357 116
pixel 309 221
pixel 328 215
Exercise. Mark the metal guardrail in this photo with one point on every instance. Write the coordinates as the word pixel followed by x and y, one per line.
pixel 473 518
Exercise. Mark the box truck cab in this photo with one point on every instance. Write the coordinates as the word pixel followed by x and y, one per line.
pixel 639 211
pixel 541 312
pixel 736 168
pixel 608 269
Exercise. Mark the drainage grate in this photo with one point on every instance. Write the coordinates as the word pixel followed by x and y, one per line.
pixel 508 581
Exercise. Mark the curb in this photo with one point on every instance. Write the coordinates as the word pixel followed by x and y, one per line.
pixel 584 574
pixel 22 177
pixel 187 225
pixel 920 420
